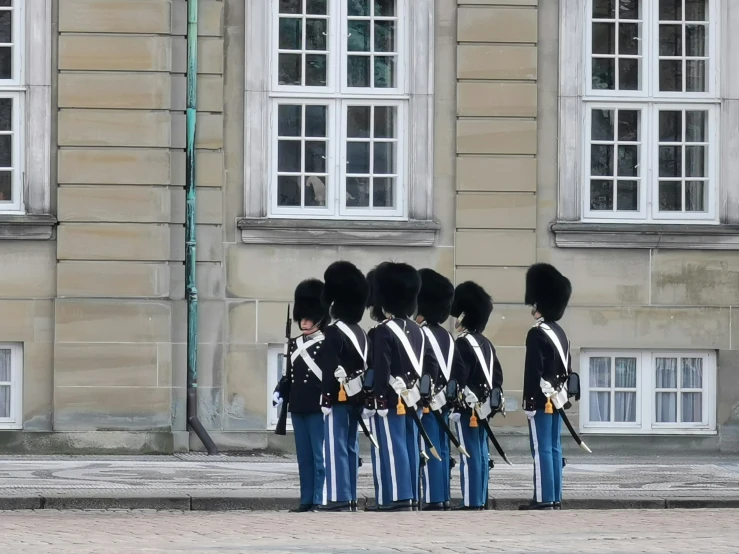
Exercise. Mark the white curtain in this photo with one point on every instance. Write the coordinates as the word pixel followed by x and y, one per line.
pixel 625 401
pixel 5 378
pixel 692 378
pixel 666 378
pixel 600 378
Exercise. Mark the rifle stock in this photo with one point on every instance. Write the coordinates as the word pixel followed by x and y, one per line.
pixel 281 428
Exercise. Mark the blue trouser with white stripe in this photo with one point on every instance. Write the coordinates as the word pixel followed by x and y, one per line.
pixel 341 453
pixel 436 473
pixel 309 433
pixel 393 477
pixel 546 449
pixel 473 471
pixel 414 454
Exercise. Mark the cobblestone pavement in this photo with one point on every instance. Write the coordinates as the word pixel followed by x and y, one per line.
pixel 613 532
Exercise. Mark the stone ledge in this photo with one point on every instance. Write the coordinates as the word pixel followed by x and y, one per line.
pixel 27 227
pixel 338 232
pixel 643 235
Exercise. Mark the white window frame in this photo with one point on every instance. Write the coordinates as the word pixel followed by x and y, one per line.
pixel 576 94
pixel 646 423
pixel 417 78
pixel 15 421
pixel 274 353
pixel 30 89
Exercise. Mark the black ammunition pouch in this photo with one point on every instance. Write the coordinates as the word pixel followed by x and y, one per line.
pixel 425 387
pixel 452 390
pixel 573 386
pixel 368 383
pixel 496 399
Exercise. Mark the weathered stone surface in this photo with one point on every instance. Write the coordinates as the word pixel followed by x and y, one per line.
pixel 27 320
pixel 496 248
pixel 210 55
pixel 115 128
pixel 131 166
pixel 209 243
pixel 111 408
pixel 209 132
pixel 496 211
pixel 695 278
pixel 208 169
pixel 113 279
pixel 27 269
pixel 115 16
pixel 478 24
pixel 271 322
pixel 246 394
pixel 499 61
pixel 210 280
pixel 496 136
pixel 103 53
pixel 485 99
pixel 209 209
pixel 505 284
pixel 210 18
pixel 509 324
pixel 134 204
pixel 127 90
pixel 112 321
pixel 211 321
pixel 105 365
pixel 114 241
pixel 242 322
pixel 210 93
pixel 211 359
pixel 727 385
pixel 478 173
pixel 38 394
pixel 511 359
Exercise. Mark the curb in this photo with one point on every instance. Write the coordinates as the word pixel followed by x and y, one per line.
pixel 189 503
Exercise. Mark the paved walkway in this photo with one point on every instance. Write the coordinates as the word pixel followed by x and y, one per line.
pixel 593 532
pixel 199 482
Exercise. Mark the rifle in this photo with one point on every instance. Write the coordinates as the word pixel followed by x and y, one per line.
pixel 281 428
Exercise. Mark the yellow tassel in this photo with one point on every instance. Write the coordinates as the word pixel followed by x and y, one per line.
pixel 549 409
pixel 342 393
pixel 400 407
pixel 426 410
pixel 473 420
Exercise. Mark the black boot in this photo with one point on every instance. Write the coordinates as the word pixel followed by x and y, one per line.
pixel 414 505
pixel 353 505
pixel 537 506
pixel 433 507
pixel 464 508
pixel 557 505
pixel 336 507
pixel 447 506
pixel 399 506
pixel 302 508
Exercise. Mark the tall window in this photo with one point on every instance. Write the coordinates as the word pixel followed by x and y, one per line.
pixel 338 109
pixel 651 111
pixel 11 386
pixel 12 97
pixel 648 391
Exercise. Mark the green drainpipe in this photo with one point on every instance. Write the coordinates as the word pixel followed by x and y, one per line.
pixel 191 290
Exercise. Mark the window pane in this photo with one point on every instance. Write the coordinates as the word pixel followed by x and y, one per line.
pixel 358 121
pixel 359 71
pixel 5 366
pixel 315 157
pixel 670 161
pixel 359 36
pixel 692 408
pixel 315 70
pixel 601 195
pixel 288 191
pixel 695 126
pixel 290 69
pixel 385 36
pixel 670 196
pixel 315 121
pixel 666 407
pixel 670 40
pixel 316 33
pixel 359 7
pixel 670 10
pixel 628 74
pixel 290 6
pixel 289 120
pixel 628 39
pixel 291 33
pixel 604 38
pixel 6 28
pixel 357 192
pixel 625 407
pixel 6 62
pixel 601 160
pixel 628 160
pixel 626 373
pixel 382 193
pixel 385 71
pixel 600 372
pixel 316 7
pixel 604 9
pixel 288 156
pixel 695 40
pixel 602 125
pixel 695 10
pixel 600 406
pixel 358 157
pixel 628 125
pixel 670 75
pixel 385 8
pixel 695 161
pixel 604 74
pixel 4 401
pixel 385 122
pixel 695 76
pixel 692 373
pixel 6 151
pixel 695 196
pixel 666 373
pixel 629 9
pixel 670 126
pixel 384 160
pixel 315 191
pixel 627 197
pixel 6 186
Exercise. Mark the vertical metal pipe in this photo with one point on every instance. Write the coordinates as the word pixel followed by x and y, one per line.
pixel 191 291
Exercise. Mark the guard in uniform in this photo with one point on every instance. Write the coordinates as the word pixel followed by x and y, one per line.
pixel 343 361
pixel 300 386
pixel 477 372
pixel 434 306
pixel 545 376
pixel 397 356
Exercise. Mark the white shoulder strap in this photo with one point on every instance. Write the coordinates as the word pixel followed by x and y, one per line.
pixel 416 362
pixel 353 339
pixel 488 370
pixel 445 364
pixel 301 350
pixel 558 345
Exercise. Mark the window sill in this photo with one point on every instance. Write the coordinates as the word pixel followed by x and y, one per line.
pixel 647 432
pixel 338 232
pixel 646 235
pixel 27 227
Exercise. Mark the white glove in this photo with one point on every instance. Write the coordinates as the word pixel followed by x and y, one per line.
pixel 382 413
pixel 454 417
pixel 340 374
pixel 412 397
pixel 326 411
pixel 367 414
pixel 547 388
pixel 398 385
pixel 276 399
pixel 531 414
pixel 470 398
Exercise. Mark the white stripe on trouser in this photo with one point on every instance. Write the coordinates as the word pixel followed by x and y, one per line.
pixel 537 461
pixel 427 494
pixel 393 477
pixel 465 467
pixel 324 496
pixel 377 462
pixel 332 444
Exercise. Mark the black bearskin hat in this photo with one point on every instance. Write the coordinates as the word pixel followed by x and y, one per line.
pixel 309 302
pixel 374 308
pixel 548 290
pixel 471 300
pixel 435 298
pixel 346 291
pixel 396 287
